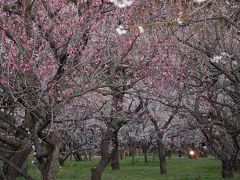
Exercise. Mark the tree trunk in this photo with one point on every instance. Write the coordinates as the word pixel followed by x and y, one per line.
pixel 163 165
pixel 105 155
pixel 160 146
pixel 115 156
pixel 153 156
pixel 133 159
pixel 90 156
pixel 18 158
pixel 94 174
pixel 97 171
pixel 85 156
pixel 2 177
pixel 44 174
pixel 25 166
pixel 11 174
pixel 145 154
pixel 162 158
pixel 237 166
pixel 227 169
pixel 48 168
pixel 121 154
pixel 115 161
pixel 133 154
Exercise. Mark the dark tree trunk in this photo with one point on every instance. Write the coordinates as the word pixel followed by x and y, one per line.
pixel 44 174
pixel 90 156
pixel 145 154
pixel 48 168
pixel 18 159
pixel 227 169
pixel 121 154
pixel 10 173
pixel 25 166
pixel 48 172
pixel 133 159
pixel 133 152
pixel 161 148
pixel 153 156
pixel 237 164
pixel 110 135
pixel 163 165
pixel 64 158
pixel 115 161
pixel 115 156
pixel 2 177
pixel 79 156
pixel 145 157
pixel 105 155
pixel 85 156
pixel 97 171
pixel 94 174
pixel 76 156
pixel 162 158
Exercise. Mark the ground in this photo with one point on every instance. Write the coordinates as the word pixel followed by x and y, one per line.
pixel 178 169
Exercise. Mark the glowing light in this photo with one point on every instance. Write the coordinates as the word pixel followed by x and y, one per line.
pixel 191 153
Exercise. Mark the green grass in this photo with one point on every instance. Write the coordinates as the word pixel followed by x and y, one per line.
pixel 179 169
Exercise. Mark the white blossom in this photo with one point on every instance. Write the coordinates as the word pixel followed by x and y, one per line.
pixel 199 1
pixel 141 29
pixel 120 30
pixel 216 59
pixel 180 22
pixel 122 3
pixel 226 54
pixel 235 63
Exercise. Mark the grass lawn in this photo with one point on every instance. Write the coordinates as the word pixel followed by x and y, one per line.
pixel 179 169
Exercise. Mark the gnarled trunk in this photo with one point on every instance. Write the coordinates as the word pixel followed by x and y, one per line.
pixel 48 168
pixel 18 158
pixel 105 155
pixel 10 173
pixel 227 169
pixel 98 170
pixel 161 147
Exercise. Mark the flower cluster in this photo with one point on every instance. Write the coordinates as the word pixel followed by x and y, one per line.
pixel 122 3
pixel 199 1
pixel 120 30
